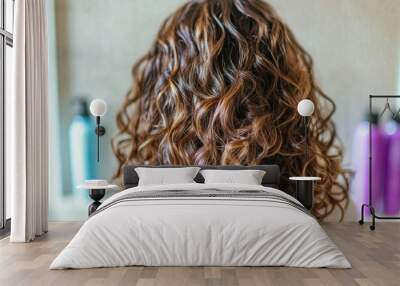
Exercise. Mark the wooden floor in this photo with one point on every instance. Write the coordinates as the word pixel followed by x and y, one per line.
pixel 375 257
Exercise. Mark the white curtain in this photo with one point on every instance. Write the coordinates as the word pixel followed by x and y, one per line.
pixel 28 123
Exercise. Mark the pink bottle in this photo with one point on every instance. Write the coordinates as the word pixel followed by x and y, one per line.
pixel 392 180
pixel 361 163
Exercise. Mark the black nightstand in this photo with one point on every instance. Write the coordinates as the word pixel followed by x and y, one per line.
pixel 96 194
pixel 305 190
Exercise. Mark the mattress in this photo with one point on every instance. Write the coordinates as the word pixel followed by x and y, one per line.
pixel 201 225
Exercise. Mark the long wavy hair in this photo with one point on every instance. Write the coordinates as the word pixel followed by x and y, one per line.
pixel 220 85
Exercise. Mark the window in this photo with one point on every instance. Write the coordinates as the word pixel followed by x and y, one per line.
pixel 6 44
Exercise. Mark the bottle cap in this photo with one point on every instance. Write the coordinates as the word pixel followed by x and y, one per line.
pixel 396 118
pixel 80 106
pixel 373 117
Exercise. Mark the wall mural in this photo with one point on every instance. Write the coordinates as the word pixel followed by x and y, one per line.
pixel 224 91
pixel 220 86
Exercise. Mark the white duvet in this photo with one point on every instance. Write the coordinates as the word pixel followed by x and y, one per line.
pixel 200 231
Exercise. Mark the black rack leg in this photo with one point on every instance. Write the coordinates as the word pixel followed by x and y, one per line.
pixel 361 221
pixel 372 227
pixel 372 212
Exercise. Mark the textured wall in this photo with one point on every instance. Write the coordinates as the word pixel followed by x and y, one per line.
pixel 355 46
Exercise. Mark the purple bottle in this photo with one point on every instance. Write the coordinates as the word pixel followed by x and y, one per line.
pixel 391 201
pixel 361 162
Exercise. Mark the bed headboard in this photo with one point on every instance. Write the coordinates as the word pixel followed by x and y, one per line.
pixel 271 177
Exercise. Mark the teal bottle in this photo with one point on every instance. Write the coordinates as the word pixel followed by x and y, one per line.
pixel 82 144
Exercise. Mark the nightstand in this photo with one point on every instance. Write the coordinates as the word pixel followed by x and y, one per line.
pixel 96 193
pixel 305 190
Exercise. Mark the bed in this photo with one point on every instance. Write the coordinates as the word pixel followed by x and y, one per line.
pixel 198 224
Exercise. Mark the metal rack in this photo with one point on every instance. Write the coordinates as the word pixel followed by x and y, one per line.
pixel 370 205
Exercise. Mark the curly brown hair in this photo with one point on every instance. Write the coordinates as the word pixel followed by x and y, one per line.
pixel 220 85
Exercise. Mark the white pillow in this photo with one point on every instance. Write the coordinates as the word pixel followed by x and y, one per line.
pixel 247 177
pixel 166 176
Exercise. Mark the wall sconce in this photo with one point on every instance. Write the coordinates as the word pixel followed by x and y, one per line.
pixel 305 108
pixel 98 108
